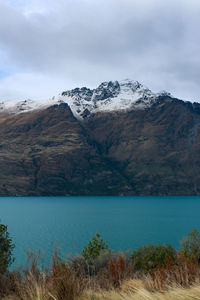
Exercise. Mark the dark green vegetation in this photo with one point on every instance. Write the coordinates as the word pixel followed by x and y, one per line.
pixel 94 248
pixel 155 151
pixel 6 249
pixel 151 257
pixel 191 245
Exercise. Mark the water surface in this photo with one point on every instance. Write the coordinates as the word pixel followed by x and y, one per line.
pixel 70 222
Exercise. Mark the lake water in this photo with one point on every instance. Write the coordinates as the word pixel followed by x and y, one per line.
pixel 70 222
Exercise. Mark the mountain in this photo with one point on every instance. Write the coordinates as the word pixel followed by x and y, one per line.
pixel 117 139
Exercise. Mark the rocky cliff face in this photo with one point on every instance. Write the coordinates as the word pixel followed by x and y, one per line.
pixel 49 152
pixel 151 147
pixel 157 150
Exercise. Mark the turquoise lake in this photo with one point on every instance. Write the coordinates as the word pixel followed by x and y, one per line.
pixel 70 222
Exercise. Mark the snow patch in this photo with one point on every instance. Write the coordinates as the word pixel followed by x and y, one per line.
pixel 109 96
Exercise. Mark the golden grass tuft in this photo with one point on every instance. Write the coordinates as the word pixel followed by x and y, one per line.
pixel 130 290
pixel 134 290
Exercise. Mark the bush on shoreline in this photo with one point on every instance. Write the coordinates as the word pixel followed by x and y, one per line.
pixel 6 249
pixel 191 245
pixel 94 248
pixel 151 257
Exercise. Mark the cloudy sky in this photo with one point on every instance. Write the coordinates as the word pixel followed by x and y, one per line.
pixel 47 46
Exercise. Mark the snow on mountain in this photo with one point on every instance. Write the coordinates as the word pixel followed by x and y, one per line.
pixel 109 96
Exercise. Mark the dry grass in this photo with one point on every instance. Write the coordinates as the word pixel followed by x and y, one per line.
pixel 135 290
pixel 113 279
pixel 132 290
pixel 129 290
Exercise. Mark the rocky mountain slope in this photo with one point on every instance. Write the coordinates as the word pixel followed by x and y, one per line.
pixel 118 139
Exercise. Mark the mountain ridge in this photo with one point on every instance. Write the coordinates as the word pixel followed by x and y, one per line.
pixel 108 96
pixel 150 151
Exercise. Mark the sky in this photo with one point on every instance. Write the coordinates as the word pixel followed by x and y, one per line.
pixel 49 46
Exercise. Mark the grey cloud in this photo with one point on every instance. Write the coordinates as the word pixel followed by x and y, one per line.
pixel 88 41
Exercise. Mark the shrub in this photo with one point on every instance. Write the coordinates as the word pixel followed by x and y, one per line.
pixel 79 265
pixel 153 256
pixel 6 249
pixel 117 270
pixel 94 266
pixel 65 284
pixel 191 245
pixel 94 248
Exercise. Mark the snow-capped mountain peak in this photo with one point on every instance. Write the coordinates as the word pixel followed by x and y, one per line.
pixel 108 96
